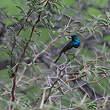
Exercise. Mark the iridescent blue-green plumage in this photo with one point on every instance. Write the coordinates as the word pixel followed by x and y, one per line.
pixel 74 42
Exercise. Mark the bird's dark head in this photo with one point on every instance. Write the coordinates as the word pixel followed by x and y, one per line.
pixel 75 40
pixel 74 36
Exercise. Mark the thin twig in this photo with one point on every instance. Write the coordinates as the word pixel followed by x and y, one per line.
pixel 73 79
pixel 43 98
pixel 52 87
pixel 37 100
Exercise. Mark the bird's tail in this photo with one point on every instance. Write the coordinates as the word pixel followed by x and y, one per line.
pixel 58 57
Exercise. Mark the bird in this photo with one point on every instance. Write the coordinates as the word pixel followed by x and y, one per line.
pixel 74 42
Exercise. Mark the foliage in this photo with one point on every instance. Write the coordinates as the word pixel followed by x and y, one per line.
pixel 36 32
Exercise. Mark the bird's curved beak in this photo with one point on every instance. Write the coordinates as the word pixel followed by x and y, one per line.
pixel 69 37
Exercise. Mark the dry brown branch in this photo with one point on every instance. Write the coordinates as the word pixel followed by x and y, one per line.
pixel 19 60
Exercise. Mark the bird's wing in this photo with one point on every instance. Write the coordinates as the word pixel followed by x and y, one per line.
pixel 67 47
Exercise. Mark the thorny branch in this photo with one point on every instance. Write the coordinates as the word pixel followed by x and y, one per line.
pixel 50 89
pixel 19 60
pixel 23 54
